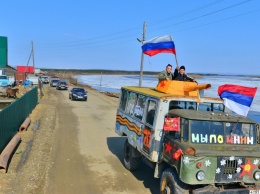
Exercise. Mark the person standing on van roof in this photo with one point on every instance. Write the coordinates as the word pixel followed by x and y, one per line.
pixel 166 74
pixel 179 74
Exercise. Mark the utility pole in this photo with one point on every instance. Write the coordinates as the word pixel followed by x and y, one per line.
pixel 33 55
pixel 142 57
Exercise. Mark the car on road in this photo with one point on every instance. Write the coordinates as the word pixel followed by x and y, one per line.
pixel 45 79
pixel 78 94
pixel 61 85
pixel 54 82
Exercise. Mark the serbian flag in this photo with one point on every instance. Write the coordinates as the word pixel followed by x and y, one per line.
pixel 237 98
pixel 161 44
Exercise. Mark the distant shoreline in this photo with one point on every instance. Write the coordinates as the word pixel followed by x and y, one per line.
pixel 136 73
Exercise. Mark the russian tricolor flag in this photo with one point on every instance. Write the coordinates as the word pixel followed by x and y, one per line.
pixel 161 44
pixel 237 98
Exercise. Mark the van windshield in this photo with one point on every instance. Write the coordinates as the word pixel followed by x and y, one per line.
pixel 78 90
pixel 212 132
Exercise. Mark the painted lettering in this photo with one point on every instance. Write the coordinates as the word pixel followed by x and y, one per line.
pixel 250 140
pixel 239 140
pixel 229 139
pixel 236 139
pixel 204 139
pixel 195 138
pixel 220 139
pixel 243 140
pixel 212 137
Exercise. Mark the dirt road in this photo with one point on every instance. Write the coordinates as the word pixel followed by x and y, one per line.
pixel 71 147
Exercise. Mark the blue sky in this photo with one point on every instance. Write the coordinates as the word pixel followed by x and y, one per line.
pixel 214 36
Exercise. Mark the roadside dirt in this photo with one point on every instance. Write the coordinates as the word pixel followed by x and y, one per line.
pixel 29 162
pixel 71 147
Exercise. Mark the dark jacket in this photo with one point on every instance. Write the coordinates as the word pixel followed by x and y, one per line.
pixel 179 77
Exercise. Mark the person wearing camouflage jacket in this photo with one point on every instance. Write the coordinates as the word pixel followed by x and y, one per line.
pixel 166 74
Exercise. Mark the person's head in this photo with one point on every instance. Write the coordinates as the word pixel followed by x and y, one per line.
pixel 182 70
pixel 169 68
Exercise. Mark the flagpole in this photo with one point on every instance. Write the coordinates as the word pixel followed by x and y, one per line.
pixel 142 57
pixel 177 65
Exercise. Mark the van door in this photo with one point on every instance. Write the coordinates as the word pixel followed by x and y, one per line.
pixel 149 123
pixel 172 137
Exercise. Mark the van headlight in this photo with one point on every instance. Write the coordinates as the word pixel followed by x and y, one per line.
pixel 257 175
pixel 200 175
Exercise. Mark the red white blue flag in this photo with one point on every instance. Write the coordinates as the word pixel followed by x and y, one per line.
pixel 161 44
pixel 237 98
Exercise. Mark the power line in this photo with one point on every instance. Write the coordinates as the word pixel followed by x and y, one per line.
pixel 138 27
pixel 91 46
pixel 187 13
pixel 218 20
pixel 205 15
pixel 94 41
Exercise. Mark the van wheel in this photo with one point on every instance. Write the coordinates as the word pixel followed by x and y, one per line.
pixel 171 184
pixel 130 162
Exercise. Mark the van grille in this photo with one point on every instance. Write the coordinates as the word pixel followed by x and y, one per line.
pixel 228 169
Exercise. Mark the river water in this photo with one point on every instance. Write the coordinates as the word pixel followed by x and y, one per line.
pixel 113 83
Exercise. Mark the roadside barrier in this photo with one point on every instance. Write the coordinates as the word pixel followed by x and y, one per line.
pixel 12 116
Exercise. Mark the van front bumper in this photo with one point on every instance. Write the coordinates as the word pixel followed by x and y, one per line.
pixel 215 190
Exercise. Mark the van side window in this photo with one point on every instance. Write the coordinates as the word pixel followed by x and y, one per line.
pixel 139 107
pixel 123 100
pixel 218 107
pixel 131 101
pixel 185 129
pixel 182 105
pixel 174 105
pixel 205 106
pixel 214 107
pixel 191 106
pixel 150 112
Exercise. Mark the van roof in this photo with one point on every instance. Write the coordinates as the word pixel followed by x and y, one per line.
pixel 210 116
pixel 154 93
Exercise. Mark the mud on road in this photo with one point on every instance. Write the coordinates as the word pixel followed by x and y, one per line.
pixel 71 147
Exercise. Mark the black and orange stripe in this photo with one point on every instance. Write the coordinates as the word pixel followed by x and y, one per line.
pixel 130 125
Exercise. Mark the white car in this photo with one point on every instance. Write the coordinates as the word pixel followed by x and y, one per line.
pixel 45 79
pixel 4 81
